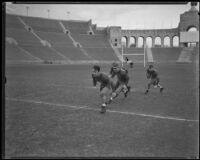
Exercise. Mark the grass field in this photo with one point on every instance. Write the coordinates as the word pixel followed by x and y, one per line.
pixel 53 111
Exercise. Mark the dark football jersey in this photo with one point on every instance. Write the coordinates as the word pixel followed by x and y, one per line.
pixel 152 73
pixel 122 75
pixel 102 78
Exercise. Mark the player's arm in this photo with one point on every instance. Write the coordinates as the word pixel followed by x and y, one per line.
pixel 148 74
pixel 156 73
pixel 111 73
pixel 94 80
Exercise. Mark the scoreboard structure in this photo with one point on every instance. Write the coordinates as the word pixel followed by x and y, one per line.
pixel 189 37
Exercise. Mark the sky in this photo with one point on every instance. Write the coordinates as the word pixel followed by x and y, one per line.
pixel 128 16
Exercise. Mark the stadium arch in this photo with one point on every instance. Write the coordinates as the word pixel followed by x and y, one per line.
pixel 132 41
pixel 124 40
pixel 149 42
pixel 175 41
pixel 157 42
pixel 166 41
pixel 188 19
pixel 140 42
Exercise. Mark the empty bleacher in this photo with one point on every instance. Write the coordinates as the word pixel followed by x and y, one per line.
pixel 55 39
pixel 13 22
pixel 76 27
pixel 16 54
pixel 27 41
pixel 22 36
pixel 102 54
pixel 42 24
pixel 72 53
pixel 95 47
pixel 42 52
pixel 162 55
pixel 92 40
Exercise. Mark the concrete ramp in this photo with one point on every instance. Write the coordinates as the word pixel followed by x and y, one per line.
pixel 149 55
pixel 185 56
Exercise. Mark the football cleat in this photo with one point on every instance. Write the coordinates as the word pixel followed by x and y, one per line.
pixel 161 89
pixel 146 92
pixel 126 93
pixel 103 109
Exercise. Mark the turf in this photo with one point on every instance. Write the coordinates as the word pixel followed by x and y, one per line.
pixel 48 130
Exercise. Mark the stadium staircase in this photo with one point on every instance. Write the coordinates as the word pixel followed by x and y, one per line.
pixel 90 30
pixel 186 54
pixel 116 51
pixel 75 43
pixel 149 55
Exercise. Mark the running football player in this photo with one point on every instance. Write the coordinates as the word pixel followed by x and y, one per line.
pixel 129 62
pixel 122 81
pixel 154 80
pixel 106 85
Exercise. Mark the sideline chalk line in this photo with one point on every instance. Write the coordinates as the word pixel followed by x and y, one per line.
pixel 94 109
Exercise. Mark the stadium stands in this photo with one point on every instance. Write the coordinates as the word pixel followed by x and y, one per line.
pixel 102 54
pixel 15 53
pixel 72 53
pixel 44 53
pixel 56 39
pixel 95 47
pixel 92 40
pixel 22 36
pixel 161 55
pixel 13 22
pixel 76 27
pixel 42 24
pixel 92 47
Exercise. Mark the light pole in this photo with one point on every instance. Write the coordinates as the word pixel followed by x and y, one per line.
pixel 27 8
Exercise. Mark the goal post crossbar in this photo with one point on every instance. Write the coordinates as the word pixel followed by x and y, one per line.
pixel 134 55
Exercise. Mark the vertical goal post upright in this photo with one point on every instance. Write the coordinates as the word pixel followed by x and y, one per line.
pixel 131 54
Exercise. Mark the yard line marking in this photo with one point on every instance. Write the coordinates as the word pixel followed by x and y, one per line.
pixel 111 111
pixel 47 103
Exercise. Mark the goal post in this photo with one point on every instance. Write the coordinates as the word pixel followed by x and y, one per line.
pixel 132 54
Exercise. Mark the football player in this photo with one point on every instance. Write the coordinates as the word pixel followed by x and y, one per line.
pixel 106 85
pixel 122 81
pixel 129 62
pixel 154 80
